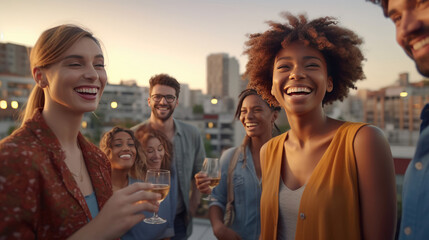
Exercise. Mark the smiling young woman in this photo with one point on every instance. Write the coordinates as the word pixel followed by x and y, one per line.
pixel 54 184
pixel 239 189
pixel 324 178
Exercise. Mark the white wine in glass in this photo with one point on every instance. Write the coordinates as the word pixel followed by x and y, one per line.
pixel 160 180
pixel 211 167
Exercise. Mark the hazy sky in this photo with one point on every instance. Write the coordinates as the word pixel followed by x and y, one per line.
pixel 143 38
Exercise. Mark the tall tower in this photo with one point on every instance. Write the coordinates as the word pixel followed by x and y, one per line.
pixel 14 60
pixel 223 77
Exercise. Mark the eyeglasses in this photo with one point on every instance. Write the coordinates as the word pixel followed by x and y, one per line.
pixel 158 98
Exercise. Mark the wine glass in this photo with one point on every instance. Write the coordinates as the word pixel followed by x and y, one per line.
pixel 160 180
pixel 211 167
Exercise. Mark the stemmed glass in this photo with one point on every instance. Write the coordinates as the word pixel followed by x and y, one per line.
pixel 161 184
pixel 211 167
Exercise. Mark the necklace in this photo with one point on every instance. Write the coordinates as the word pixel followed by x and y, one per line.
pixel 80 176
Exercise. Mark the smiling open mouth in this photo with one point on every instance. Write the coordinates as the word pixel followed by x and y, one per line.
pixel 87 91
pixel 125 156
pixel 298 91
pixel 421 43
pixel 249 125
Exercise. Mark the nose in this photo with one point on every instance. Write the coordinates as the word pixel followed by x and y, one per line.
pixel 91 73
pixel 126 148
pixel 248 115
pixel 157 155
pixel 409 25
pixel 163 100
pixel 296 74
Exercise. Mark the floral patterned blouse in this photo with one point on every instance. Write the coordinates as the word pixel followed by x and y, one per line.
pixel 39 198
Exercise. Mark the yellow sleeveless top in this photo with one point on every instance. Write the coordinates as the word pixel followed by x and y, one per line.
pixel 329 207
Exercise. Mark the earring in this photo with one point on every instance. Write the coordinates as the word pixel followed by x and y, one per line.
pixel 42 84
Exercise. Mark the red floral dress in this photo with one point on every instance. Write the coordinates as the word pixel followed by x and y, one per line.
pixel 39 198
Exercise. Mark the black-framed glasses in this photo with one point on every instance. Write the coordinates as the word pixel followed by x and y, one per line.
pixel 158 98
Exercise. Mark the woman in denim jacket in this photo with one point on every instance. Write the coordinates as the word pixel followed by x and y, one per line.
pixel 258 119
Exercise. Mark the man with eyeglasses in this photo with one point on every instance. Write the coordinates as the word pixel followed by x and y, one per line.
pixel 411 20
pixel 188 148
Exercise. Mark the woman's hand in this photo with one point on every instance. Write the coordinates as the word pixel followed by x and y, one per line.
pixel 203 182
pixel 224 233
pixel 120 213
pixel 221 231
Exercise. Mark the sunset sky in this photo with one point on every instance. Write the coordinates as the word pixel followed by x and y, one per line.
pixel 143 38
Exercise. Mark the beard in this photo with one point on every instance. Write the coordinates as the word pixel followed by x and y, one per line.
pixel 422 65
pixel 162 117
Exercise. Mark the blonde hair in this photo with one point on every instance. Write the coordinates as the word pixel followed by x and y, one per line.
pixel 48 49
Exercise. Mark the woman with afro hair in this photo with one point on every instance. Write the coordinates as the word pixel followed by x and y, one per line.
pixel 324 178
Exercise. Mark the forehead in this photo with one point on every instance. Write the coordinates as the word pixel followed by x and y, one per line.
pixel 297 51
pixel 163 89
pixel 153 141
pixel 121 136
pixel 398 5
pixel 253 101
pixel 84 47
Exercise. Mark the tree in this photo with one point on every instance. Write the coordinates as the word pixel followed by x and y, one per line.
pixel 198 109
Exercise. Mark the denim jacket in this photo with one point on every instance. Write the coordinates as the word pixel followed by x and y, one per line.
pixel 415 194
pixel 247 194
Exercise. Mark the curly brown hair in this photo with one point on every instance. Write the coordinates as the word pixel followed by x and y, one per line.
pixel 146 132
pixel 106 147
pixel 338 45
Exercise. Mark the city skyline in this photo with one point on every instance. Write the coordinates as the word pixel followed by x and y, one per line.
pixel 144 38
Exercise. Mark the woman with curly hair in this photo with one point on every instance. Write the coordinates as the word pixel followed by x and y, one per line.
pixel 129 165
pixel 324 178
pixel 123 151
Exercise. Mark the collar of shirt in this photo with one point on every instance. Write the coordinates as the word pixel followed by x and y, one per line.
pixel 177 128
pixel 424 116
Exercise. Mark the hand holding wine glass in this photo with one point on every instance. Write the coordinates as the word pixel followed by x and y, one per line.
pixel 211 167
pixel 160 179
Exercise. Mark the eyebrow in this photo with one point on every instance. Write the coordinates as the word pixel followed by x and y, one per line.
pixel 81 57
pixel 257 106
pixel 118 139
pixel 391 12
pixel 305 57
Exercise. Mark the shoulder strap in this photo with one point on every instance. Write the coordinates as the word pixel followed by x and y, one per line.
pixel 231 167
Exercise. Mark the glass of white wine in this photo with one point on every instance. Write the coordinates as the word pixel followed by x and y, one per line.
pixel 160 180
pixel 211 167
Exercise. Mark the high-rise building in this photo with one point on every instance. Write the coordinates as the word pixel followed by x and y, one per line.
pixel 223 77
pixel 14 59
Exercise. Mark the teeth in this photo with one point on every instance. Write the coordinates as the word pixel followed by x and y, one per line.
pixel 125 156
pixel 87 90
pixel 251 124
pixel 421 43
pixel 298 89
